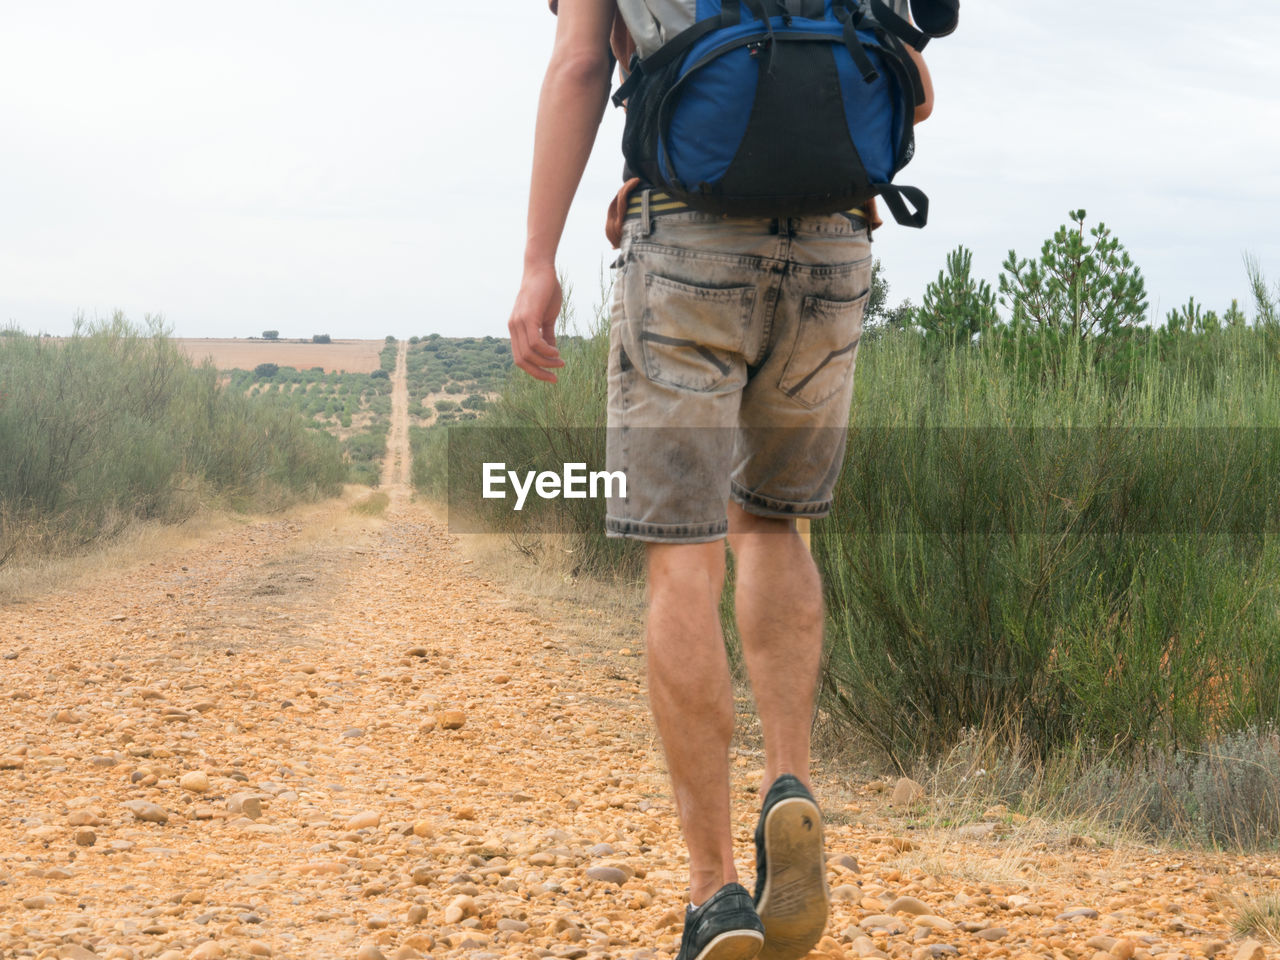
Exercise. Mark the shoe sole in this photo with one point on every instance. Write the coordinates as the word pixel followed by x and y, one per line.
pixel 793 904
pixel 733 945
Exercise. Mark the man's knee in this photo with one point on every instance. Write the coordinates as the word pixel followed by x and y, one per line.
pixel 684 566
pixel 743 526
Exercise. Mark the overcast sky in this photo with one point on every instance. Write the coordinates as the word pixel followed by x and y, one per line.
pixel 361 169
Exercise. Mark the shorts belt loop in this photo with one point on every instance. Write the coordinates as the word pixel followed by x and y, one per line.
pixel 646 224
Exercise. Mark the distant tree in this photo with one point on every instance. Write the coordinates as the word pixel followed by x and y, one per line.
pixel 390 339
pixel 265 371
pixel 270 334
pixel 877 316
pixel 1234 317
pixel 1192 318
pixel 1077 287
pixel 379 375
pixel 321 338
pixel 957 308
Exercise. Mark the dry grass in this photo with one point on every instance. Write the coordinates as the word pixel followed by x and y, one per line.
pixel 30 578
pixel 1257 915
pixel 374 505
pixel 351 356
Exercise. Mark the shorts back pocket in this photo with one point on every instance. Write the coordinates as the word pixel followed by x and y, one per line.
pixel 692 336
pixel 822 357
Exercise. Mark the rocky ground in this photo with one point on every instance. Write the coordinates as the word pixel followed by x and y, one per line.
pixel 324 736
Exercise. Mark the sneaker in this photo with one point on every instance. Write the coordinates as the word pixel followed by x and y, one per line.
pixel 791 877
pixel 724 928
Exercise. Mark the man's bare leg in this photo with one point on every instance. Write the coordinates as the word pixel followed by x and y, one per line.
pixel 691 695
pixel 779 612
pixel 778 598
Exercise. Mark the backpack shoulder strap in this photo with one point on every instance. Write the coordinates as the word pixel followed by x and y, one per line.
pixel 730 14
pixel 899 26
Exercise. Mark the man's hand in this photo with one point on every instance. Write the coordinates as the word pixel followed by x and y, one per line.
pixel 533 323
pixel 574 93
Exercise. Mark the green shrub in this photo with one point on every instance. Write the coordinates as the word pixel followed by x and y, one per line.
pixel 115 423
pixel 265 371
pixel 534 423
pixel 1266 303
pixel 321 338
pixel 365 453
pixel 387 358
pixel 1006 546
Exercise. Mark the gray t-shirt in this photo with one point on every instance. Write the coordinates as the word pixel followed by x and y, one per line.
pixel 653 22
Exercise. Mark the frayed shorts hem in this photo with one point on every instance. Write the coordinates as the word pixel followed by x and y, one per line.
pixel 762 506
pixel 707 532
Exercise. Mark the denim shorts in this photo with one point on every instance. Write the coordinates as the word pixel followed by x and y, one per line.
pixel 732 350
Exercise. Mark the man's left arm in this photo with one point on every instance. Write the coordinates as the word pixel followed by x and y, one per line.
pixel 926 81
pixel 575 91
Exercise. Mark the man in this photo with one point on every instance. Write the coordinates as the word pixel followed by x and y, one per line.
pixel 745 330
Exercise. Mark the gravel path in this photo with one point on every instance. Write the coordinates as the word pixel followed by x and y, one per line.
pixel 324 736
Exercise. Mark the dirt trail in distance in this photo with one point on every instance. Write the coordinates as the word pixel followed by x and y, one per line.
pixel 322 736
pixel 398 466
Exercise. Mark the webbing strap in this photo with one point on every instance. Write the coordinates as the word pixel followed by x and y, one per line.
pixel 628 85
pixel 761 9
pixel 896 198
pixel 899 27
pixel 678 46
pixel 849 18
pixel 903 59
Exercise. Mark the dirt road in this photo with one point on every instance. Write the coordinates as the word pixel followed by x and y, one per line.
pixel 325 736
pixel 397 467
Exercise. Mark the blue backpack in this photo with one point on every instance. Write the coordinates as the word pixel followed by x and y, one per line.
pixel 776 108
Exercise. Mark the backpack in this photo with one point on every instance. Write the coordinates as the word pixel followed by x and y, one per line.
pixel 772 108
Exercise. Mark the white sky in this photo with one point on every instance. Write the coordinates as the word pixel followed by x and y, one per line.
pixel 362 169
